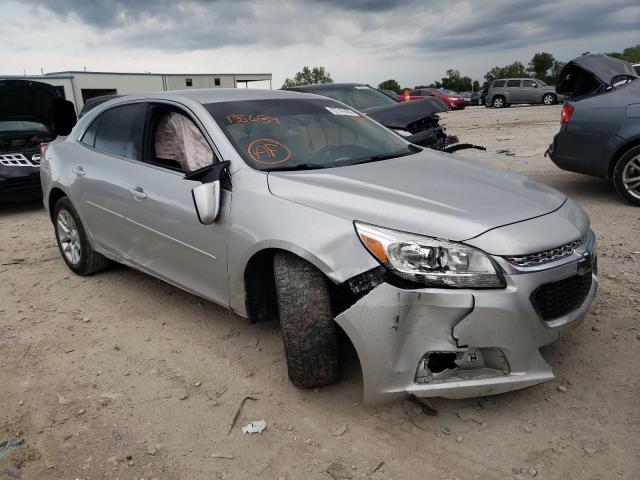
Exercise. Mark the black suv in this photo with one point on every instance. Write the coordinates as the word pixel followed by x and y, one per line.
pixel 29 112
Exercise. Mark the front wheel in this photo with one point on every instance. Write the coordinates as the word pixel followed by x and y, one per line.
pixel 549 99
pixel 309 332
pixel 626 176
pixel 73 241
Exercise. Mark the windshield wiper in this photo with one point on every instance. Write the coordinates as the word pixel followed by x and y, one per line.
pixel 377 158
pixel 301 166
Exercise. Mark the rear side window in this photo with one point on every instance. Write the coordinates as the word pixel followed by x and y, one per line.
pixel 498 83
pixel 89 137
pixel 513 83
pixel 119 131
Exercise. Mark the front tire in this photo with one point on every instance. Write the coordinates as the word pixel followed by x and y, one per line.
pixel 626 176
pixel 73 241
pixel 498 101
pixel 309 332
pixel 549 99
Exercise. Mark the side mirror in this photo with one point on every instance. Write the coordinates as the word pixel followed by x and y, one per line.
pixel 64 116
pixel 207 197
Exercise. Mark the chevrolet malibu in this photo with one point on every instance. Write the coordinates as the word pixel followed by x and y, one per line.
pixel 447 275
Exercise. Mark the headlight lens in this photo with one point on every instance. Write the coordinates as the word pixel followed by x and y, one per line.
pixel 430 261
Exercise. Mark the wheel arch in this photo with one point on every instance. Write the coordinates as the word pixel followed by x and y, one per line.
pixel 55 194
pixel 619 153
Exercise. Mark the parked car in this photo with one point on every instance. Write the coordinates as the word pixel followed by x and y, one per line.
pixel 92 103
pixel 453 100
pixel 483 96
pixel 446 274
pixel 472 98
pixel 417 122
pixel 28 113
pixel 600 124
pixel 504 92
pixel 390 93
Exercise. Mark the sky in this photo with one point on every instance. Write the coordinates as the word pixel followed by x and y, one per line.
pixel 365 41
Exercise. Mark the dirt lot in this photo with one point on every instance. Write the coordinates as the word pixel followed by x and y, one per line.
pixel 98 369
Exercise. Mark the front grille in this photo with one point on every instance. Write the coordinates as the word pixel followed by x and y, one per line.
pixel 556 299
pixel 19 160
pixel 547 256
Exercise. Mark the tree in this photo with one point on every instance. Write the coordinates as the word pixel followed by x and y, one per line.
pixel 390 85
pixel 514 70
pixel 476 85
pixel 629 54
pixel 308 76
pixel 453 81
pixel 540 65
pixel 555 72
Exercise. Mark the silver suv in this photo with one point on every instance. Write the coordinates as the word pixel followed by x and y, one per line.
pixel 507 91
pixel 447 275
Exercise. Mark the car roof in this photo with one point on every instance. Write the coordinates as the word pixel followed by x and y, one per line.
pixel 215 95
pixel 325 86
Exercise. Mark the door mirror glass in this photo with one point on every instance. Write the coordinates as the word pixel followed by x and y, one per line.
pixel 206 198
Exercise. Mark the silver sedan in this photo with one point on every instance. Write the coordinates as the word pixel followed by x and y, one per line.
pixel 446 275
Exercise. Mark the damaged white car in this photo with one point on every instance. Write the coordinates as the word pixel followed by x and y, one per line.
pixel 446 274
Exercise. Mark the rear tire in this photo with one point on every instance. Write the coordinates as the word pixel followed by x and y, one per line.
pixel 549 99
pixel 309 332
pixel 498 101
pixel 73 241
pixel 626 176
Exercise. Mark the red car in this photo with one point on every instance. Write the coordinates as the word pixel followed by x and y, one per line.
pixel 453 100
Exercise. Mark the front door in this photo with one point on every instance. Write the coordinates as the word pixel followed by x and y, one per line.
pixel 530 91
pixel 170 242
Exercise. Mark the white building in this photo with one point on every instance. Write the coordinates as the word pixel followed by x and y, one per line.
pixel 79 86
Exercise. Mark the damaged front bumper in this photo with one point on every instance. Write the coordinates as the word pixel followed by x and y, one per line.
pixel 467 343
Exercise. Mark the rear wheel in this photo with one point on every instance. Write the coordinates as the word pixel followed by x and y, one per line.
pixel 626 176
pixel 549 99
pixel 73 241
pixel 498 101
pixel 309 332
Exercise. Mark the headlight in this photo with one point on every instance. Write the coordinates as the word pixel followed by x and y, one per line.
pixel 404 133
pixel 430 261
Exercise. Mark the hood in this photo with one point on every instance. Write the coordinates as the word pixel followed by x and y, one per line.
pixel 27 100
pixel 402 114
pixel 590 71
pixel 429 193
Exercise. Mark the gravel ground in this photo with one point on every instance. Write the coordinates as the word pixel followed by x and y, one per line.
pixel 122 376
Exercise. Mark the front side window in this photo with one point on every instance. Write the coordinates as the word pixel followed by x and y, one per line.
pixel 118 131
pixel 359 97
pixel 287 134
pixel 513 83
pixel 529 84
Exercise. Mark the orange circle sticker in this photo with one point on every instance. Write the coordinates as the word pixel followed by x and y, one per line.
pixel 267 150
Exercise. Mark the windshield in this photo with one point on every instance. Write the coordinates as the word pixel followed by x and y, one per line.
pixel 21 126
pixel 448 92
pixel 289 134
pixel 359 97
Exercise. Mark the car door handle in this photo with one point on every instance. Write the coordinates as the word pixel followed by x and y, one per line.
pixel 138 193
pixel 79 171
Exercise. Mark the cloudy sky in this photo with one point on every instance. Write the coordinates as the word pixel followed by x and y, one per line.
pixel 358 40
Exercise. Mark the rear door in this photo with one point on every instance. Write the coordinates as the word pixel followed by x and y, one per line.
pixel 168 239
pixel 99 171
pixel 513 91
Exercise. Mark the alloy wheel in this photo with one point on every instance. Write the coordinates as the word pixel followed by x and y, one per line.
pixel 69 237
pixel 498 102
pixel 631 177
pixel 547 100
